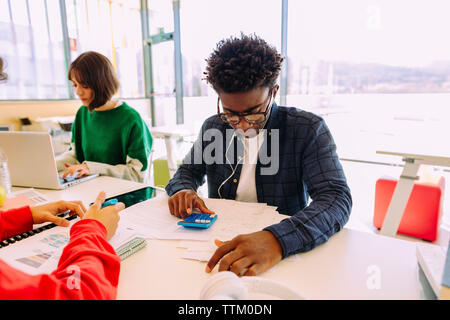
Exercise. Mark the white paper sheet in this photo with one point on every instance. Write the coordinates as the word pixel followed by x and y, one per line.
pixel 40 253
pixel 32 194
pixel 152 219
pixel 234 218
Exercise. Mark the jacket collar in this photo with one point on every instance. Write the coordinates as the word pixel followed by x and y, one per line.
pixel 273 122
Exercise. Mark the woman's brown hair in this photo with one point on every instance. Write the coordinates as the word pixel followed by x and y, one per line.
pixel 95 71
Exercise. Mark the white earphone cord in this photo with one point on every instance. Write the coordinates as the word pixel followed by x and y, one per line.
pixel 234 170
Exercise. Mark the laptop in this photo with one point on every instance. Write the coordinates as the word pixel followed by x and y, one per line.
pixel 31 161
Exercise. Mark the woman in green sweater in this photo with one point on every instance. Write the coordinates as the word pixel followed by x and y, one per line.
pixel 108 136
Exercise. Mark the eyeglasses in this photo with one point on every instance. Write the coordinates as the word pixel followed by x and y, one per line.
pixel 251 118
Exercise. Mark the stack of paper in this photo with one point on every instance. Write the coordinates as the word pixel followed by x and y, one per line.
pixel 27 197
pixel 235 218
pixel 152 219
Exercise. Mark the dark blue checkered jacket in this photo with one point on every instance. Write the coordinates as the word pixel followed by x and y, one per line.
pixel 308 165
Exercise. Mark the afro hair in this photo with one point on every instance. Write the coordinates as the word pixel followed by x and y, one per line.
pixel 243 64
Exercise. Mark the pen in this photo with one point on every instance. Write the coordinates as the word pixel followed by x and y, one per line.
pixel 63 214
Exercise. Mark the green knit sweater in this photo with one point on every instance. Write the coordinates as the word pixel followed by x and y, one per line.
pixel 110 136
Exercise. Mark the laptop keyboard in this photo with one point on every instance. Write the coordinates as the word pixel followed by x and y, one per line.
pixel 67 179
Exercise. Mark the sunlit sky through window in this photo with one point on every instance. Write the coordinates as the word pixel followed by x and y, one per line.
pixel 400 32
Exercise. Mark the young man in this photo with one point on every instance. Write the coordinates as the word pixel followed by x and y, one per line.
pixel 303 161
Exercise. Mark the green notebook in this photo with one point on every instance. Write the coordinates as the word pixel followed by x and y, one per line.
pixel 132 246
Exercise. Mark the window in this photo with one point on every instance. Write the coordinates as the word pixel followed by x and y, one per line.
pixel 203 24
pixel 112 28
pixel 31 44
pixel 161 21
pixel 377 70
pixel 379 73
pixel 357 46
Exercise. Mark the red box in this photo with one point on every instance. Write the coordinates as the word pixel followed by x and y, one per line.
pixel 423 211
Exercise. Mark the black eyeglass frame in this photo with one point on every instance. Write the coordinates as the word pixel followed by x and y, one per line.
pixel 223 117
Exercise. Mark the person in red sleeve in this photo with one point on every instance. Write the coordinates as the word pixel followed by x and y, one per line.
pixel 88 267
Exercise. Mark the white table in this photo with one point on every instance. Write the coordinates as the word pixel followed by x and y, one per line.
pixel 406 184
pixel 172 136
pixel 342 268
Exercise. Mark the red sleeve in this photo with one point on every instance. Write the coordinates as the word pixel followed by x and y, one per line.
pixel 88 269
pixel 15 221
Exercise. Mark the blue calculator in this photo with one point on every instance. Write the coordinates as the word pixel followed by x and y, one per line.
pixel 198 220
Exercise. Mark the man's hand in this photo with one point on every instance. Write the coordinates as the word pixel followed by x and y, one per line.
pixel 182 203
pixel 48 212
pixel 248 254
pixel 80 169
